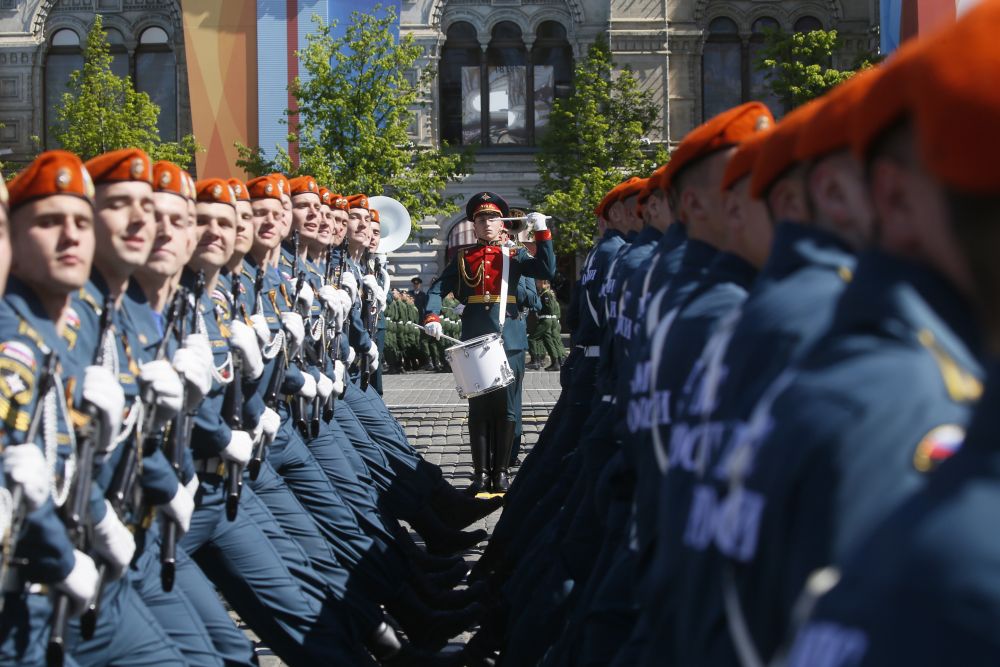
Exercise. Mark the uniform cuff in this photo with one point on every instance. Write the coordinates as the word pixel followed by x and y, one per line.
pixel 543 235
pixel 431 317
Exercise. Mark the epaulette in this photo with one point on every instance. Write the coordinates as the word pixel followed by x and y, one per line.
pixel 89 300
pixel 962 386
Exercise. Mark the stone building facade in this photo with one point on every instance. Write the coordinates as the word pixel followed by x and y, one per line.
pixel 500 65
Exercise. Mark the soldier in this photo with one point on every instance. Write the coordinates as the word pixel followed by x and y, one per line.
pixel 480 278
pixel 932 561
pixel 548 333
pixel 51 207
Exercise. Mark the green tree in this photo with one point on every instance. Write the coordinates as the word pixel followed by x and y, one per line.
pixel 103 112
pixel 798 65
pixel 595 139
pixel 353 115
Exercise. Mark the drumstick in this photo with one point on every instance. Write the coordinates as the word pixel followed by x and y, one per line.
pixel 454 340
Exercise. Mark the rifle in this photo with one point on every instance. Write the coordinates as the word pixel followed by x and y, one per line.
pixel 75 514
pixel 299 404
pixel 328 409
pixel 257 458
pixel 11 540
pixel 232 412
pixel 124 491
pixel 178 440
pixel 369 311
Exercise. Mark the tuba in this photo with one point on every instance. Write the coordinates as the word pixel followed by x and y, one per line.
pixel 395 220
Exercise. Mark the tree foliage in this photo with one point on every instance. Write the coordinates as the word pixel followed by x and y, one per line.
pixel 798 65
pixel 103 112
pixel 353 117
pixel 595 139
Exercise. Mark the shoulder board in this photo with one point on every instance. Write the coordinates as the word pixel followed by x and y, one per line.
pixel 25 329
pixel 89 300
pixel 962 386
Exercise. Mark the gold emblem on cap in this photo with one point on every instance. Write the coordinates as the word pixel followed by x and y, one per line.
pixel 137 167
pixel 269 188
pixel 217 191
pixel 238 189
pixel 763 122
pixel 63 178
pixel 312 186
pixel 165 179
pixel 486 196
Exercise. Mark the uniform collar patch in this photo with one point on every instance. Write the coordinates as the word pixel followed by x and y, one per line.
pixel 937 446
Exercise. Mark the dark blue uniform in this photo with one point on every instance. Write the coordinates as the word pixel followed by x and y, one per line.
pixel 923 589
pixel 790 306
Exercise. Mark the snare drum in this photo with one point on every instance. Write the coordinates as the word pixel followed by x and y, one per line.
pixel 479 365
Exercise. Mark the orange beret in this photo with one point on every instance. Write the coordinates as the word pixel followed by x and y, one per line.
pixel 284 188
pixel 956 103
pixel 214 191
pixel 885 100
pixel 127 164
pixel 325 196
pixel 606 200
pixel 630 188
pixel 168 177
pixel 51 173
pixel 239 189
pixel 742 161
pixel 777 155
pixel 302 185
pixel 339 202
pixel 830 127
pixel 358 201
pixel 726 130
pixel 4 197
pixel 374 213
pixel 264 187
pixel 653 183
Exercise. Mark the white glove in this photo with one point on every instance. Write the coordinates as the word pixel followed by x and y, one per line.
pixel 434 329
pixel 349 283
pixel 308 389
pixel 351 355
pixel 372 358
pixel 270 422
pixel 538 221
pixel 192 486
pixel 244 339
pixel 168 390
pixel 305 295
pixel 459 309
pixel 81 582
pixel 370 282
pixel 239 449
pixel 346 303
pixel 328 295
pixel 25 465
pixel 296 329
pixel 113 542
pixel 180 508
pixel 197 376
pixel 260 328
pixel 324 386
pixel 101 389
pixel 339 371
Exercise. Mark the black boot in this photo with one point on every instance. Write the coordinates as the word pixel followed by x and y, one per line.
pixel 428 628
pixel 421 558
pixel 504 439
pixel 442 540
pixel 388 649
pixel 479 444
pixel 555 365
pixel 459 510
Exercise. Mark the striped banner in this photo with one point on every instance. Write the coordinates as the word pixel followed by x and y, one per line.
pixel 902 19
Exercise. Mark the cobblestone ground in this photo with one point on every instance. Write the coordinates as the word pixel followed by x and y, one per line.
pixel 436 422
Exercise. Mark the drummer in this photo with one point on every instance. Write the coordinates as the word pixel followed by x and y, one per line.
pixel 481 280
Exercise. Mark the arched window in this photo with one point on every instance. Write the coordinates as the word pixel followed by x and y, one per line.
pixel 552 70
pixel 808 24
pixel 758 79
pixel 507 100
pixel 156 75
pixel 119 54
pixel 62 58
pixel 501 98
pixel 722 68
pixel 460 82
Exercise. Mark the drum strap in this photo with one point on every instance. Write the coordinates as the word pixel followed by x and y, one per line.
pixel 504 279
